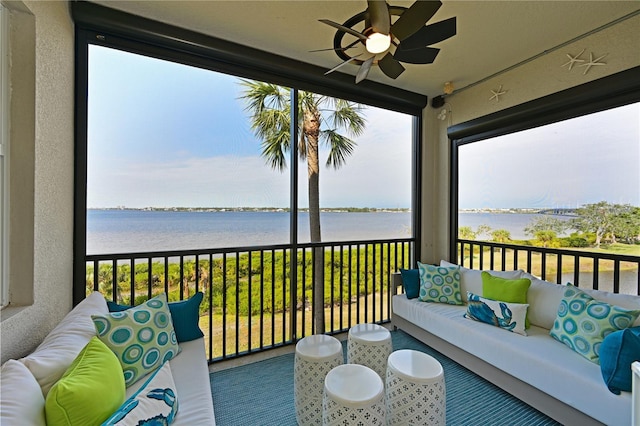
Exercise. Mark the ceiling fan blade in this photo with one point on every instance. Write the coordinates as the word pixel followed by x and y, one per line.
pixel 414 18
pixel 341 64
pixel 421 55
pixel 341 49
pixel 363 72
pixel 379 16
pixel 344 29
pixel 390 66
pixel 431 34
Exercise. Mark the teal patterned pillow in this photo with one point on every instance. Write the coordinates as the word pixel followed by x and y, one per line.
pixel 583 322
pixel 440 284
pixel 141 337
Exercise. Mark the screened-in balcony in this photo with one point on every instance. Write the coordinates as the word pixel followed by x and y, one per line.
pixel 497 76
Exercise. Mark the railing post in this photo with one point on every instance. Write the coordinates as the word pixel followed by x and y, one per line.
pixel 293 217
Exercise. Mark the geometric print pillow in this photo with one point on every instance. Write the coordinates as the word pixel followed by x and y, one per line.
pixel 583 322
pixel 142 337
pixel 440 284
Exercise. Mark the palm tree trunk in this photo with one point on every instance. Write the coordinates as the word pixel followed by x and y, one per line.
pixel 312 131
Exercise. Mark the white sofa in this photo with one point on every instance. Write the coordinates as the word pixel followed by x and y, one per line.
pixel 25 382
pixel 536 368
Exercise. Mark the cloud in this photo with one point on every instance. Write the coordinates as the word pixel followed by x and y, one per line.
pixel 378 174
pixel 224 181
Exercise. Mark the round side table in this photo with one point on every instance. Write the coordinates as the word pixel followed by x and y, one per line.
pixel 370 345
pixel 415 389
pixel 353 395
pixel 315 356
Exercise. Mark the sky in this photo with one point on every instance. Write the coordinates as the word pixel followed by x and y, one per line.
pixel 580 161
pixel 162 134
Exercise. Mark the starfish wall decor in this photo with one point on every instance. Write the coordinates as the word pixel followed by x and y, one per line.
pixel 573 60
pixel 495 94
pixel 593 62
pixel 576 60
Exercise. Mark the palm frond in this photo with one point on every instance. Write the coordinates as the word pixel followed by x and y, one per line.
pixel 340 148
pixel 347 115
pixel 259 96
pixel 274 148
pixel 269 108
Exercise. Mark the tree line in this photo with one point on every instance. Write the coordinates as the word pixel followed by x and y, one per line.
pixel 595 224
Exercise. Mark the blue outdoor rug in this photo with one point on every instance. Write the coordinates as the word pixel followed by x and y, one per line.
pixel 262 394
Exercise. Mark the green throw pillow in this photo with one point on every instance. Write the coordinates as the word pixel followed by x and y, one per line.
pixel 583 322
pixel 142 337
pixel 440 284
pixel 506 290
pixel 185 316
pixel 89 391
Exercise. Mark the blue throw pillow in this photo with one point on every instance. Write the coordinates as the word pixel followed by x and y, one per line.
pixel 411 282
pixel 617 352
pixel 185 316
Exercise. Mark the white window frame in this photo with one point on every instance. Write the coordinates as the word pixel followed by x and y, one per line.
pixel 4 152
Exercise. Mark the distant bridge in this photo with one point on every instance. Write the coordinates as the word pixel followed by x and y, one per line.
pixel 560 212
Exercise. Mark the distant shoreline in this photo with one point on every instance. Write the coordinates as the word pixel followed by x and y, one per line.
pixel 524 210
pixel 253 209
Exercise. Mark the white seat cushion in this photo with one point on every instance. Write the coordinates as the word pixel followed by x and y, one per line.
pixel 63 344
pixel 22 402
pixel 536 359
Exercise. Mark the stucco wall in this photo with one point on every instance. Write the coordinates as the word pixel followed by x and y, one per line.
pixel 23 327
pixel 532 80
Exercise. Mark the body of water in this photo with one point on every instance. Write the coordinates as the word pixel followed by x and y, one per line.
pixel 121 231
pixel 117 231
pixel 126 231
pixel 512 222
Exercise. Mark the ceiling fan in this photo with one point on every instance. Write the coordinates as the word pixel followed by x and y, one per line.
pixel 408 34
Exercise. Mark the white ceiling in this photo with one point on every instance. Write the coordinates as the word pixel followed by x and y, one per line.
pixel 491 35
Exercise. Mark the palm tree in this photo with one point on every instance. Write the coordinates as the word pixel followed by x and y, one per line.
pixel 321 119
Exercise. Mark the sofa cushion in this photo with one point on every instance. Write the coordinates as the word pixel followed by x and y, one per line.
pixel 156 400
pixel 618 351
pixel 537 359
pixel 142 337
pixel 583 322
pixel 544 298
pixel 505 289
pixel 22 402
pixel 63 344
pixel 508 316
pixel 471 279
pixel 440 284
pixel 89 391
pixel 185 316
pixel 411 282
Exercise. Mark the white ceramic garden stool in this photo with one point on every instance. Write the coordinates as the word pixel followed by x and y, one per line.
pixel 370 345
pixel 415 389
pixel 315 356
pixel 353 395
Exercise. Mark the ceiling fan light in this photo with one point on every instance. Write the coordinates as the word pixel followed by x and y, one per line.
pixel 378 43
